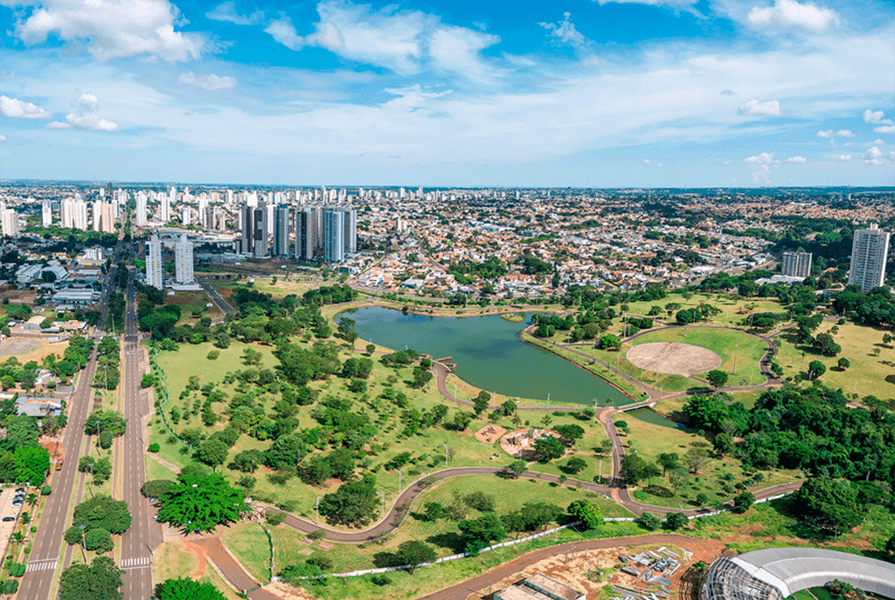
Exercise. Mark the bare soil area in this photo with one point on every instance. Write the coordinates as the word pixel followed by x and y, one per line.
pixel 673 358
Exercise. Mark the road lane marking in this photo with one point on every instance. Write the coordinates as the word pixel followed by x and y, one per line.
pixel 41 566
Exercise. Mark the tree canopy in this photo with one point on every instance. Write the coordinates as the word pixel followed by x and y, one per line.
pixel 201 502
pixel 103 512
pixel 183 588
pixel 101 580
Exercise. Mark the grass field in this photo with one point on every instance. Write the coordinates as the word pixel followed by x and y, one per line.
pixel 650 440
pixel 735 348
pixel 868 373
pixel 733 312
pixel 249 544
pixel 173 560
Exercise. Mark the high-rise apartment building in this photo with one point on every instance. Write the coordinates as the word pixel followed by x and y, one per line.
pixel 349 236
pixel 304 234
pixel 253 240
pixel 185 218
pixel 183 260
pixel 107 217
pixel 141 209
pixel 281 230
pixel 167 202
pixel 97 214
pixel 334 235
pixel 9 221
pixel 46 213
pixel 154 265
pixel 869 250
pixel 796 264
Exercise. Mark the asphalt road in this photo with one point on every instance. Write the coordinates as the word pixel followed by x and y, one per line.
pixel 136 544
pixel 45 554
pixel 217 298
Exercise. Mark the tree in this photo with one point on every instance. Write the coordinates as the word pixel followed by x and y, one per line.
pixel 354 503
pixel 547 448
pixel 571 432
pixel 816 369
pixel 414 553
pixel 843 363
pixel 73 535
pixel 696 458
pixel 589 514
pixel 480 532
pixel 716 378
pixel 156 488
pixel 669 461
pixel 675 521
pixel 574 465
pixel 106 420
pixel 633 469
pixel 99 540
pixel 103 512
pixel 723 444
pixel 32 464
pixel 213 452
pixel 481 402
pixel 517 468
pixel 101 580
pixel 371 348
pixel 649 521
pixel 890 546
pixel 744 501
pixel 201 502
pixel 609 341
pixel 833 505
pixel 186 589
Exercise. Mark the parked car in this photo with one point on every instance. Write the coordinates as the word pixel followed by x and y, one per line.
pixel 8 519
pixel 20 490
pixel 17 504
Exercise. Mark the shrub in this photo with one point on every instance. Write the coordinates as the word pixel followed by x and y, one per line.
pixel 16 570
pixel 10 586
pixel 214 354
pixel 154 448
pixel 46 490
pixel 649 521
pixel 275 517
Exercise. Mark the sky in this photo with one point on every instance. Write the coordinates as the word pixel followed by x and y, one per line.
pixel 580 93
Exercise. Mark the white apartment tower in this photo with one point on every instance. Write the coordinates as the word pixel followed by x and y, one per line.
pixel 167 203
pixel 9 219
pixel 141 209
pixel 183 260
pixel 46 213
pixel 796 264
pixel 154 262
pixel 869 250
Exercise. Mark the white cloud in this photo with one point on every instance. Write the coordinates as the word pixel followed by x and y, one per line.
pixel 399 40
pixel 843 158
pixel 209 82
pixel 112 28
pixel 19 109
pixel 771 108
pixel 790 14
pixel 876 118
pixel 2 138
pixel 565 32
pixel 672 3
pixel 885 129
pixel 647 161
pixel 761 167
pixel 226 12
pixel 829 133
pixel 878 142
pixel 845 133
pixel 873 156
pixel 85 117
pixel 796 160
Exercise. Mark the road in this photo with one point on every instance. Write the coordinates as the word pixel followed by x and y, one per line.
pixel 45 554
pixel 136 542
pixel 222 303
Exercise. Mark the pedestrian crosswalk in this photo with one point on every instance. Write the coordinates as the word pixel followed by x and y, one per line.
pixel 42 565
pixel 136 562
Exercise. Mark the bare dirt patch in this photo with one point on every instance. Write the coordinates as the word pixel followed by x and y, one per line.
pixel 673 358
pixel 490 433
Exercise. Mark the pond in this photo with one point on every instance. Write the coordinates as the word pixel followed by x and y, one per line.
pixel 651 416
pixel 489 354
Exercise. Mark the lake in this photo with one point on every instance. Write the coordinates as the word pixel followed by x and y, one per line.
pixel 488 354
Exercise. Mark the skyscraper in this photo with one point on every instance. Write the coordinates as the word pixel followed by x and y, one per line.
pixel 183 260
pixel 304 234
pixel 154 262
pixel 253 240
pixel 97 215
pixel 349 237
pixel 281 230
pixel 334 245
pixel 796 264
pixel 869 250
pixel 141 209
pixel 167 202
pixel 46 213
pixel 9 221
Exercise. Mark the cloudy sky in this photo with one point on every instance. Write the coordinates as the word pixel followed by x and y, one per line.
pixel 597 93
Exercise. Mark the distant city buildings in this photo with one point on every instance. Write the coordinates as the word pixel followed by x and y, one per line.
pixel 74 213
pixel 796 264
pixel 870 248
pixel 183 260
pixel 154 266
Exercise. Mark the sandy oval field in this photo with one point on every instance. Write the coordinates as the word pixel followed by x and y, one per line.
pixel 673 358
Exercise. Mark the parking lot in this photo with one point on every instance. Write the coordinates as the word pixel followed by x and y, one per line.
pixel 7 510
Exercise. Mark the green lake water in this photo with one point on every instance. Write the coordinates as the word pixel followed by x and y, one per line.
pixel 651 416
pixel 488 354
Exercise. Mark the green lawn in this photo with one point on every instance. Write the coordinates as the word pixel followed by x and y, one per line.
pixel 193 303
pixel 649 441
pixel 249 543
pixel 172 560
pixel 733 312
pixel 869 374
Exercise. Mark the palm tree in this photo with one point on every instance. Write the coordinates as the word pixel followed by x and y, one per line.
pixel 31 499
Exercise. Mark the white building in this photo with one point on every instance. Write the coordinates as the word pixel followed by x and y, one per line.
pixel 10 221
pixel 46 213
pixel 167 202
pixel 183 260
pixel 141 209
pixel 869 251
pixel 154 265
pixel 796 264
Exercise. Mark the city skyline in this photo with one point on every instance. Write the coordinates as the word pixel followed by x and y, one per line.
pixel 644 93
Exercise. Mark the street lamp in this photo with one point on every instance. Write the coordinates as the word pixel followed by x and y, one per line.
pixel 83 542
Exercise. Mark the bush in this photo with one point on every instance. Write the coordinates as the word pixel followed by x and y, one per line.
pixel 16 570
pixel 675 521
pixel 105 440
pixel 214 354
pixel 154 448
pixel 10 586
pixel 46 490
pixel 275 517
pixel 649 521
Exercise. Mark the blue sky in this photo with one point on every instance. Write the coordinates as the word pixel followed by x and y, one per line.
pixel 591 93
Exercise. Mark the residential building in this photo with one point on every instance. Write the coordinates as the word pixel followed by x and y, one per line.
pixel 253 240
pixel 349 238
pixel 97 214
pixel 154 266
pixel 107 214
pixel 10 221
pixel 304 234
pixel 167 202
pixel 46 213
pixel 281 230
pixel 183 260
pixel 870 248
pixel 334 245
pixel 796 264
pixel 141 209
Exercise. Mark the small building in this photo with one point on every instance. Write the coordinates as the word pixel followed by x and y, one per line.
pixel 38 407
pixel 539 587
